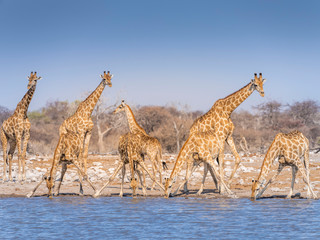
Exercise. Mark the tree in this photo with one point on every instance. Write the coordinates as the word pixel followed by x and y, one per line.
pixel 270 112
pixel 304 111
pixel 4 113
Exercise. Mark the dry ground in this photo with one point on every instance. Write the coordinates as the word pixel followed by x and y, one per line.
pixel 101 167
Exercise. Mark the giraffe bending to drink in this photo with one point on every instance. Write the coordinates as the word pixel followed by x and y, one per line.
pixel 150 146
pixel 16 131
pixel 132 153
pixel 292 149
pixel 68 151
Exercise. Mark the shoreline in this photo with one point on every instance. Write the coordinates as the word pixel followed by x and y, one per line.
pixel 101 167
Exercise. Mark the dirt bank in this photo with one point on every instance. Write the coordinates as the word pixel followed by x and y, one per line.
pixel 101 167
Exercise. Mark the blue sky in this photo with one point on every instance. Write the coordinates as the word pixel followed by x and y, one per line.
pixel 160 52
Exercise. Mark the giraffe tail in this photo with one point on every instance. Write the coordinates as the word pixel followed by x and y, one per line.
pixel 160 160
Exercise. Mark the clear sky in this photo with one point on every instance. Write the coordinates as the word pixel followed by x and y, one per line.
pixel 160 52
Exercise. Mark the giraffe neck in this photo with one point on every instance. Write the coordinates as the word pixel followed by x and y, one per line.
pixel 182 156
pixel 56 157
pixel 86 107
pixel 231 102
pixel 23 105
pixel 133 125
pixel 272 153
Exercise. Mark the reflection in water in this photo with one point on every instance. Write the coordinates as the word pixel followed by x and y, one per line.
pixel 149 218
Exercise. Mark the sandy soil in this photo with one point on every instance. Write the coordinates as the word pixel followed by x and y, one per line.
pixel 101 167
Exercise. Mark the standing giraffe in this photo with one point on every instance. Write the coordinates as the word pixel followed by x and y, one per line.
pixel 68 151
pixel 289 148
pixel 80 122
pixel 218 119
pixel 16 131
pixel 151 146
pixel 200 147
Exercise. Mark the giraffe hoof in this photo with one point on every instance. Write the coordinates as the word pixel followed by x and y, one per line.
pixel 95 195
pixel 29 195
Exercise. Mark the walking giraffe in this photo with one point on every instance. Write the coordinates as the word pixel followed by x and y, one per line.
pixel 289 148
pixel 16 131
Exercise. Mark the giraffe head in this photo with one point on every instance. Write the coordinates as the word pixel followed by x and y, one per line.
pixel 133 184
pixel 121 107
pixel 107 78
pixel 50 185
pixel 256 189
pixel 33 79
pixel 257 84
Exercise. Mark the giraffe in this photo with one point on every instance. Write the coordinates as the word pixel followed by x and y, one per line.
pixel 68 151
pixel 80 122
pixel 151 146
pixel 218 119
pixel 289 148
pixel 199 147
pixel 16 131
pixel 131 153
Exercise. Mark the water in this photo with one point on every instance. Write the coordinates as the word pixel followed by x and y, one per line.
pixel 158 218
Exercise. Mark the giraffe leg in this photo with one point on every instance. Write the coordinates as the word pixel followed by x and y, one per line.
pixel 80 183
pixel 142 164
pixel 63 171
pixel 12 148
pixel 159 166
pixel 294 173
pixel 271 180
pixel 157 169
pixel 236 155
pixel 4 142
pixel 207 157
pixel 305 178
pixel 122 179
pixel 306 163
pixel 154 170
pixel 205 172
pixel 186 179
pixel 85 176
pixel 30 194
pixel 185 188
pixel 19 158
pixel 24 151
pixel 86 149
pixel 221 169
pixel 97 193
pixel 142 183
pixel 214 178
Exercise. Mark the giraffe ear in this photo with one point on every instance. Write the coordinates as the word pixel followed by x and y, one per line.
pixel 101 76
pixel 264 80
pixel 39 78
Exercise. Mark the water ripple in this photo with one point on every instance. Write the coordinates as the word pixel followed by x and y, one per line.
pixel 157 218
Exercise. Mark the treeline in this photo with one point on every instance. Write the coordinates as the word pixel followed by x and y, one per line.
pixel 254 130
